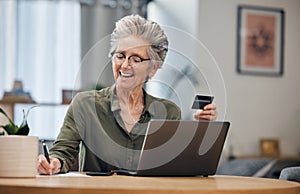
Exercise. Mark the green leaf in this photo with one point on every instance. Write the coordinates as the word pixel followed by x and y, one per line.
pixel 25 116
pixel 24 122
pixel 11 129
pixel 4 113
pixel 24 130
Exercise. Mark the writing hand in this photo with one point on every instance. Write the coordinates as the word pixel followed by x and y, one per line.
pixel 48 169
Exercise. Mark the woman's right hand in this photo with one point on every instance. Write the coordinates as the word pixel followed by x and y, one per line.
pixel 45 168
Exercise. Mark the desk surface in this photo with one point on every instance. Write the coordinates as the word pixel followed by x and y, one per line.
pixel 159 185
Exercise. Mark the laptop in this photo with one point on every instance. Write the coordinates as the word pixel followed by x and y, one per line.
pixel 181 148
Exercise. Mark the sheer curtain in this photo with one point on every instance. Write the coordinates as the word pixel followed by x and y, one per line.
pixel 40 45
pixel 48 47
pixel 8 24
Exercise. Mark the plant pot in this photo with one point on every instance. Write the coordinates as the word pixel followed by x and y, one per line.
pixel 18 156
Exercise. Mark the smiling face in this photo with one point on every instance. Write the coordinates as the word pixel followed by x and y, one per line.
pixel 128 73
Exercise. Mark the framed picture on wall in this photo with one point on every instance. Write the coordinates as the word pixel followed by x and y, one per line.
pixel 260 40
pixel 269 147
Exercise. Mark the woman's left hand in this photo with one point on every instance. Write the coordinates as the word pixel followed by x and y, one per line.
pixel 209 112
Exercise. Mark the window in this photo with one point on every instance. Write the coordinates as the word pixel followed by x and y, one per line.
pixel 40 45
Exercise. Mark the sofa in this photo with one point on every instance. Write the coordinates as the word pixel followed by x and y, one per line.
pixel 288 169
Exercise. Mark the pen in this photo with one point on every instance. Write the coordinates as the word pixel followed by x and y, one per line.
pixel 46 153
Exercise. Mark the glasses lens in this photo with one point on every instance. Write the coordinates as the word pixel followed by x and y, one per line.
pixel 135 59
pixel 119 57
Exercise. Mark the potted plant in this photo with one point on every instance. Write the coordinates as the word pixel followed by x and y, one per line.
pixel 18 151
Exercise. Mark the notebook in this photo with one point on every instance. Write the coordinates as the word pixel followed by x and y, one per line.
pixel 181 148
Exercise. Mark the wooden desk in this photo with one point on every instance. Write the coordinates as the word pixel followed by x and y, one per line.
pixel 158 185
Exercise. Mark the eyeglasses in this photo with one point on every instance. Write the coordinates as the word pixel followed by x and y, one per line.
pixel 133 59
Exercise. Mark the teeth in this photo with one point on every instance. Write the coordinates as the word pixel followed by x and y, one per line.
pixel 126 74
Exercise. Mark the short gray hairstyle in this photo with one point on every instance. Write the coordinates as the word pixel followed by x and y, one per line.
pixel 140 27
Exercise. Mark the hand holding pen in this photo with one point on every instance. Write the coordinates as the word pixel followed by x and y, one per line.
pixel 46 151
pixel 48 165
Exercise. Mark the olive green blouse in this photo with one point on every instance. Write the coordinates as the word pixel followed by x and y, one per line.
pixel 94 131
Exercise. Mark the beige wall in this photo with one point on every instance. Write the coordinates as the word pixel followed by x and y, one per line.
pixel 257 106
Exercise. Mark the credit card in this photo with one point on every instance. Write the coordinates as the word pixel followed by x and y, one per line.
pixel 201 101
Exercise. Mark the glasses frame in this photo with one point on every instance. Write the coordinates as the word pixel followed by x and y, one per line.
pixel 129 58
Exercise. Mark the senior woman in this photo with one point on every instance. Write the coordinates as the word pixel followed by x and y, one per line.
pixel 108 125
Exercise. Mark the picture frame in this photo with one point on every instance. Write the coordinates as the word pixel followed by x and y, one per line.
pixel 260 40
pixel 269 147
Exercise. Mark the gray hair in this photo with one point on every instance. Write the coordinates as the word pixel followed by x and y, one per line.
pixel 148 30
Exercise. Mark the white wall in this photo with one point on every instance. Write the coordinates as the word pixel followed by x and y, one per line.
pixel 258 106
pixel 189 68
